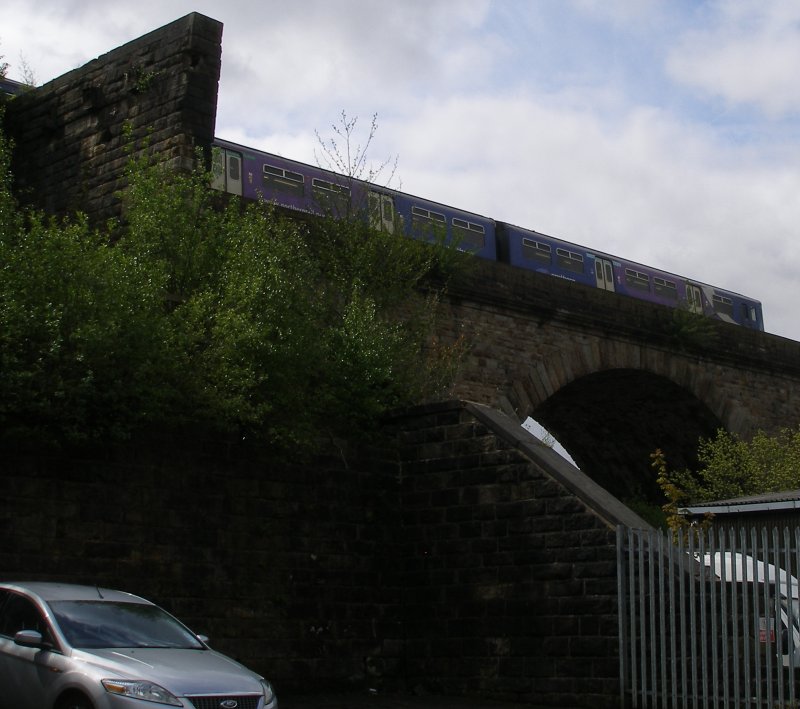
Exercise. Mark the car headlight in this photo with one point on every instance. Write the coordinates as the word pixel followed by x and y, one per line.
pixel 269 693
pixel 141 689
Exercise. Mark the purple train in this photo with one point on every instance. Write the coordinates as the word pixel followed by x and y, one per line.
pixel 10 87
pixel 253 174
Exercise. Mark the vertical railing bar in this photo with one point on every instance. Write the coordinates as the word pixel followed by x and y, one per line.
pixel 731 634
pixel 726 644
pixel 681 619
pixel 662 620
pixel 651 578
pixel 784 555
pixel 715 619
pixel 632 611
pixel 672 617
pixel 769 648
pixel 623 677
pixel 742 583
pixel 703 598
pixel 693 619
pixel 796 574
pixel 642 625
pixel 776 612
pixel 791 611
pixel 756 615
pixel 723 551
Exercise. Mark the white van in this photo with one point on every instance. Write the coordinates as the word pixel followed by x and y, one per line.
pixel 741 568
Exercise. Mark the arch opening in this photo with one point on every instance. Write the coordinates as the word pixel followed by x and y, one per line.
pixel 610 423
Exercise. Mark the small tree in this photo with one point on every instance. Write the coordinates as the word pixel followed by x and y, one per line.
pixel 341 153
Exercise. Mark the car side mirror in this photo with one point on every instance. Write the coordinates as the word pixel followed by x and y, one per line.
pixel 29 638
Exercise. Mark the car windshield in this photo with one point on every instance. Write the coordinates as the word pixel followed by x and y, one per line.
pixel 105 624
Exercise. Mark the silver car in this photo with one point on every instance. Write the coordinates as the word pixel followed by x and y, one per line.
pixel 83 647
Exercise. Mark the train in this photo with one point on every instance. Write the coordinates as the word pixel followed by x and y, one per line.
pixel 9 87
pixel 258 175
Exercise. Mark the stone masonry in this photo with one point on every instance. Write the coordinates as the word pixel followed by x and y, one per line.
pixel 74 135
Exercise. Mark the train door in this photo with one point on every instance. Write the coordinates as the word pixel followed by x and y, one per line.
pixel 226 171
pixel 381 211
pixel 604 273
pixel 694 298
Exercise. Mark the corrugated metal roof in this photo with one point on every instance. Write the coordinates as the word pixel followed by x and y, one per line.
pixel 785 500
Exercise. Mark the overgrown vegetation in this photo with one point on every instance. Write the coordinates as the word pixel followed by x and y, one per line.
pixel 687 329
pixel 731 467
pixel 205 311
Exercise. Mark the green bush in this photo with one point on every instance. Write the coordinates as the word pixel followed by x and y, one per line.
pixel 203 311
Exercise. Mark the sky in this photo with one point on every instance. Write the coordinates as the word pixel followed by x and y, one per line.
pixel 663 131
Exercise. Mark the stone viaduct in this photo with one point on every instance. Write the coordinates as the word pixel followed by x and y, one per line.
pixel 614 379
pixel 460 555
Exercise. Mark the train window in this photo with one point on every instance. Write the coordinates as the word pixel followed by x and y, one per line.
pixel 569 260
pixel 723 304
pixel 536 250
pixel 318 184
pixel 745 312
pixel 427 224
pixel 636 279
pixel 468 235
pixel 665 288
pixel 426 214
pixel 330 195
pixel 282 180
pixel 748 312
pixel 234 168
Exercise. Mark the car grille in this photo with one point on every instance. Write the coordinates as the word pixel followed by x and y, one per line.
pixel 242 702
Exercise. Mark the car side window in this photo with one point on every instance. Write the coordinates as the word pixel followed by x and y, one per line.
pixel 19 613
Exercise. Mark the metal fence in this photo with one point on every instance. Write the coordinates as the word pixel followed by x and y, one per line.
pixel 709 620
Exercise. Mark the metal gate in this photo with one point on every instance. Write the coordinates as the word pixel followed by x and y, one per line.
pixel 709 620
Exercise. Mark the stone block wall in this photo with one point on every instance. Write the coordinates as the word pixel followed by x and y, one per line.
pixel 509 587
pixel 443 560
pixel 73 134
pixel 288 568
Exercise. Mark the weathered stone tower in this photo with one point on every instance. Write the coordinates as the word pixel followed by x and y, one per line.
pixel 73 135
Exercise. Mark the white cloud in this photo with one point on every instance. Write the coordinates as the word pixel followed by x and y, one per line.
pixel 368 57
pixel 749 55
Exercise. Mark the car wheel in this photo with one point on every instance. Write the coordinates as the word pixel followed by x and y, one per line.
pixel 75 701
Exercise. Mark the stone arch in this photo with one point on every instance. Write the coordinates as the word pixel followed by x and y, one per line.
pixel 547 348
pixel 611 407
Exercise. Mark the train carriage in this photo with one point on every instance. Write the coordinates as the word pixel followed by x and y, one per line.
pixel 294 185
pixel 534 251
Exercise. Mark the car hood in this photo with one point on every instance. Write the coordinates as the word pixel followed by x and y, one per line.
pixel 181 671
